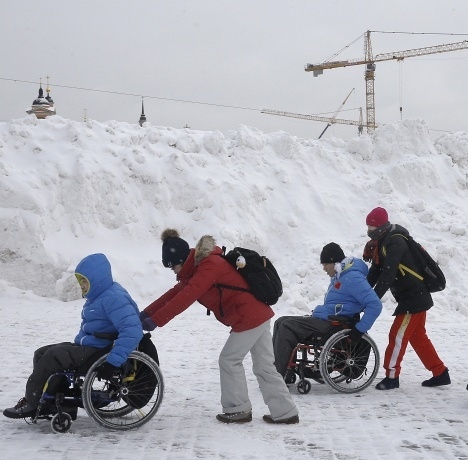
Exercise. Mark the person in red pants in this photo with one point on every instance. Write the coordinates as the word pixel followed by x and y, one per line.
pixel 393 267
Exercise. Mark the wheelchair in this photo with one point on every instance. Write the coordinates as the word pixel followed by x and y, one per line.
pixel 118 404
pixel 329 357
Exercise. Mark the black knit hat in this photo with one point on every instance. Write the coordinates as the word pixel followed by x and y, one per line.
pixel 175 250
pixel 331 253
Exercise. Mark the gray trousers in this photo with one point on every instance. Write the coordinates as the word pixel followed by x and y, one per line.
pixel 234 392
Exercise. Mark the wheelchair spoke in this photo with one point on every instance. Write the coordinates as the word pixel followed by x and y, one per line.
pixel 349 367
pixel 130 404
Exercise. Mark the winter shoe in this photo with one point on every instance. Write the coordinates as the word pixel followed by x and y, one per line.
pixel 287 421
pixel 388 384
pixel 22 410
pixel 235 417
pixel 442 379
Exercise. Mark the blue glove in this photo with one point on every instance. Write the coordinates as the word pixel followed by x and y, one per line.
pixel 107 371
pixel 355 335
pixel 148 324
pixel 143 315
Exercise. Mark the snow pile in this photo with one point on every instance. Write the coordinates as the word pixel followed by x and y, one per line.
pixel 68 189
pixel 72 188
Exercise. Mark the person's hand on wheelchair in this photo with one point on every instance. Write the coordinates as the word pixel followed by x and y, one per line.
pixel 107 371
pixel 355 335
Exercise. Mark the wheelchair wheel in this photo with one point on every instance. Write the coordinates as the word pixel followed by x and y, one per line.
pixel 349 367
pixel 128 402
pixel 303 387
pixel 61 424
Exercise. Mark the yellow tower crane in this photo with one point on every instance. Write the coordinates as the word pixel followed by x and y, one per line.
pixel 329 120
pixel 370 60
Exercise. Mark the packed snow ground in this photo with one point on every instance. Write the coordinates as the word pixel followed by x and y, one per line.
pixel 68 189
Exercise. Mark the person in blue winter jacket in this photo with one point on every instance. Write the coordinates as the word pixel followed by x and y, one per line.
pixel 109 311
pixel 348 294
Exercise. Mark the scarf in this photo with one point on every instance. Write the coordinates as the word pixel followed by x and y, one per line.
pixel 371 252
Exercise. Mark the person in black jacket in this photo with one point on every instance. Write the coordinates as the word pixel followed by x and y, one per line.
pixel 393 267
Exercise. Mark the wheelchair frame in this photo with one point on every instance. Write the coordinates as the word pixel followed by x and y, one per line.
pixel 348 367
pixel 120 404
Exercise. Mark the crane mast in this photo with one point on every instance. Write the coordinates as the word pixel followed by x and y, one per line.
pixel 369 77
pixel 369 62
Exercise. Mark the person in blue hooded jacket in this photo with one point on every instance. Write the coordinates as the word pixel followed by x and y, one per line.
pixel 109 311
pixel 348 294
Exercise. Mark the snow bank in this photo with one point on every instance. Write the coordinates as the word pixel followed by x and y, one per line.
pixel 72 188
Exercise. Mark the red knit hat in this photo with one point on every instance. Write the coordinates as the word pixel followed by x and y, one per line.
pixel 377 217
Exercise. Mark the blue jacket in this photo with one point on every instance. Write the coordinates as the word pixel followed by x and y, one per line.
pixel 350 293
pixel 108 308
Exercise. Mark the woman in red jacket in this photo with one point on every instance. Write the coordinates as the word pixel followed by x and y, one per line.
pixel 198 270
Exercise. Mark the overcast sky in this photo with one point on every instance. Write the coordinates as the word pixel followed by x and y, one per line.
pixel 233 59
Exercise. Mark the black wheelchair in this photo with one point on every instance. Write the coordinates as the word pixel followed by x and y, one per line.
pixel 122 403
pixel 330 357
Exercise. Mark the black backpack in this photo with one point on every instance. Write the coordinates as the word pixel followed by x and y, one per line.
pixel 142 388
pixel 260 274
pixel 147 347
pixel 431 273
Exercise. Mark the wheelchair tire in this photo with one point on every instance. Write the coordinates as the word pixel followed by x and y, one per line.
pixel 349 367
pixel 304 387
pixel 128 403
pixel 61 424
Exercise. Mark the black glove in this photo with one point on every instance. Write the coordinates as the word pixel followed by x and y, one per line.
pixel 107 371
pixel 355 335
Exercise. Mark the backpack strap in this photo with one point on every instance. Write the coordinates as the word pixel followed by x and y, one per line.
pixel 233 288
pixel 403 268
pixel 226 286
pixel 221 286
pixel 220 289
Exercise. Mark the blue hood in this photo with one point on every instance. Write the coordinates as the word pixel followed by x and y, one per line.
pixel 97 270
pixel 354 264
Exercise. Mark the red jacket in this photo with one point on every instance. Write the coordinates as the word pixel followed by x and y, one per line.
pixel 203 268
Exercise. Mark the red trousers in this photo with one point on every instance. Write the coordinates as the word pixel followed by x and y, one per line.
pixel 410 328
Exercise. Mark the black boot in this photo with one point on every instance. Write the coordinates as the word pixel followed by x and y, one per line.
pixel 22 410
pixel 442 379
pixel 388 384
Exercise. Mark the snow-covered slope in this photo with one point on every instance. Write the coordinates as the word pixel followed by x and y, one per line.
pixel 71 188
